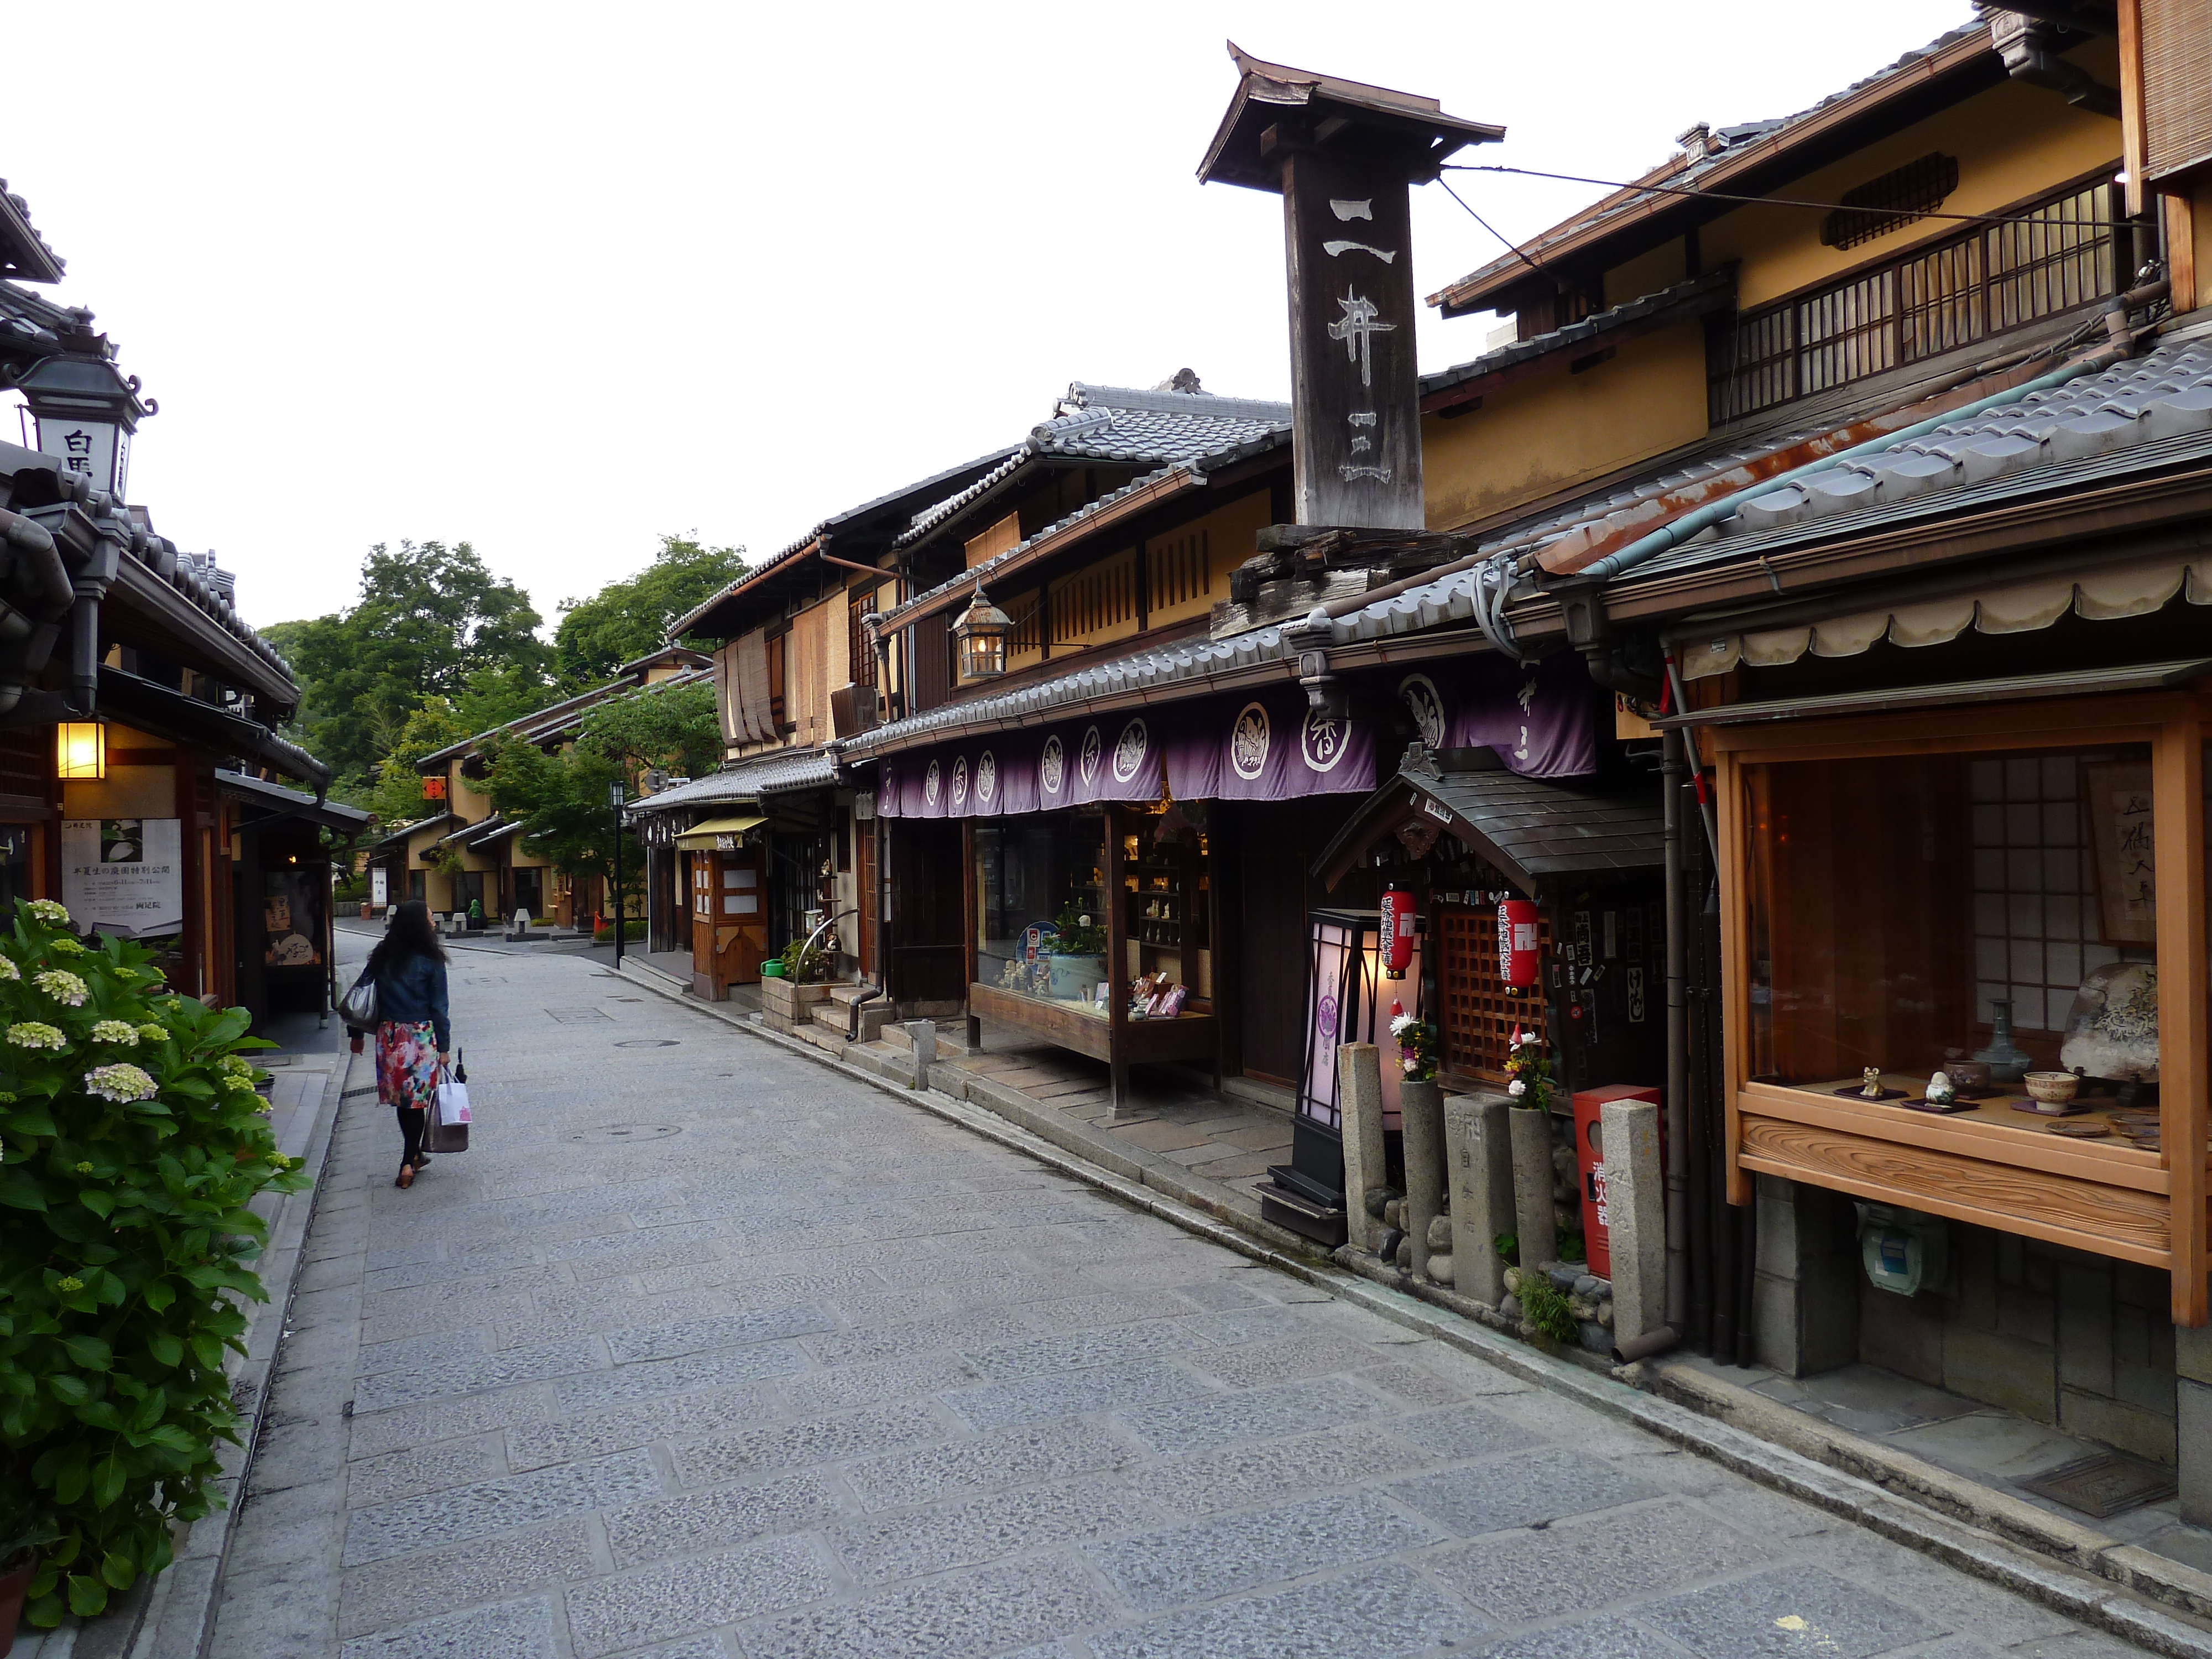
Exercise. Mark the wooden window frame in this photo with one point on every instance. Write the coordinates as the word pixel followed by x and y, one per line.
pixel 2117 1201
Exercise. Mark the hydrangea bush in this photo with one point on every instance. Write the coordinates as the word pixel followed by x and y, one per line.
pixel 133 1142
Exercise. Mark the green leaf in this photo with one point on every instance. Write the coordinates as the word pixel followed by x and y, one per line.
pixel 30 1120
pixel 174 1437
pixel 208 1350
pixel 101 1204
pixel 167 1348
pixel 149 1412
pixel 70 1482
pixel 118 1570
pixel 89 1352
pixel 18 1190
pixel 159 1295
pixel 108 1478
pixel 69 1391
pixel 101 1414
pixel 87 1596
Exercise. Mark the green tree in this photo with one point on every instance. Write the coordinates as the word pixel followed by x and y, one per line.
pixel 430 617
pixel 562 798
pixel 631 618
pixel 397 798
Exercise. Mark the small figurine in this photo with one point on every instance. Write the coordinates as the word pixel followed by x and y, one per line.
pixel 1872 1078
pixel 1941 1091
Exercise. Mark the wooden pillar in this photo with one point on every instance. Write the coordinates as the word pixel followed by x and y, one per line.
pixel 1735 971
pixel 971 925
pixel 1117 966
pixel 2177 808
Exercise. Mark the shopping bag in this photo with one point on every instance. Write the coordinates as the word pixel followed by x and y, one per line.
pixel 449 1116
pixel 358 1008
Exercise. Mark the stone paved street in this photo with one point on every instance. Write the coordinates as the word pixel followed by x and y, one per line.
pixel 706 1352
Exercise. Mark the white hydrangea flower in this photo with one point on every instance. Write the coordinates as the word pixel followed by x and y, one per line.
pixel 62 986
pixel 120 1082
pixel 244 1083
pixel 9 970
pixel 116 1030
pixel 65 947
pixel 233 1066
pixel 49 911
pixel 36 1034
pixel 153 1033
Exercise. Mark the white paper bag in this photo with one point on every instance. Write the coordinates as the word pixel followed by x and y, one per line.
pixel 452 1100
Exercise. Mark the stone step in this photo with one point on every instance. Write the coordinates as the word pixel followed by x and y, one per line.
pixel 836 1016
pixel 847 995
pixel 951 1038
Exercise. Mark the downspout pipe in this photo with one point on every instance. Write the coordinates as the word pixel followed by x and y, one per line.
pixel 1703 519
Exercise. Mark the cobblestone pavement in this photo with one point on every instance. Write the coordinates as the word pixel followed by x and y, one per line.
pixel 708 1352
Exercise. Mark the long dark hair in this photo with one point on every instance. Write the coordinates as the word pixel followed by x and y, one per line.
pixel 409 933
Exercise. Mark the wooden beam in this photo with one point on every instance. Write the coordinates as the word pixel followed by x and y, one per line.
pixel 2181 252
pixel 2131 106
pixel 2177 808
pixel 1735 970
pixel 1117 964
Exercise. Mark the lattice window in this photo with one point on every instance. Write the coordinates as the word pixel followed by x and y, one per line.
pixel 1477 1012
pixel 1095 600
pixel 859 650
pixel 1898 197
pixel 1180 572
pixel 2060 254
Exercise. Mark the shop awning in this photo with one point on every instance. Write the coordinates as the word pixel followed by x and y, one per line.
pixel 2013 688
pixel 719 834
pixel 2015 606
pixel 278 802
pixel 1535 832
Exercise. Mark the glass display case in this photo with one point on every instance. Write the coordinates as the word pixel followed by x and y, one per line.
pixel 1040 908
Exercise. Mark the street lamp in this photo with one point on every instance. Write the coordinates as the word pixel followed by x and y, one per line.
pixel 615 801
pixel 982 634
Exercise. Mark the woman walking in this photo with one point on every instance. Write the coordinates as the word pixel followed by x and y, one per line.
pixel 413 1033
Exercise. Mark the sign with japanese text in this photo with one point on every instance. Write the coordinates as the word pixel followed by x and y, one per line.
pixel 98 450
pixel 124 876
pixel 1355 390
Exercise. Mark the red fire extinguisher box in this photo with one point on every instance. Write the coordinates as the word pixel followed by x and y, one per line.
pixel 1590 1159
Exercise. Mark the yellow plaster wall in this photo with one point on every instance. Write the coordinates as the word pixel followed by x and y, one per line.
pixel 2013 141
pixel 1556 429
pixel 1097 604
pixel 1225 539
pixel 463 798
pixel 1662 267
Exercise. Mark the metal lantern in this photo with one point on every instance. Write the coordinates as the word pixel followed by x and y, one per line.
pixel 980 635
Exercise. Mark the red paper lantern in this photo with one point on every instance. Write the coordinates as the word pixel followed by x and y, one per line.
pixel 1518 958
pixel 1397 932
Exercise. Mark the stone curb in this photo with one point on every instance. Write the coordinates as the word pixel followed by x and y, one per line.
pixel 2098 1588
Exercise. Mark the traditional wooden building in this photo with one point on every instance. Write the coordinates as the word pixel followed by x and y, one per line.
pixel 137 710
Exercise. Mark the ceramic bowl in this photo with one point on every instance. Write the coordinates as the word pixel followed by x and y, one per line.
pixel 1968 1074
pixel 2052 1088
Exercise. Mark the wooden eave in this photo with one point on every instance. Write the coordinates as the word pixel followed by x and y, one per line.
pixel 1909 93
pixel 145 612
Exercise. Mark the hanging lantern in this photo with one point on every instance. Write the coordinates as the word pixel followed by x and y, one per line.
pixel 1397 943
pixel 80 751
pixel 980 636
pixel 1518 958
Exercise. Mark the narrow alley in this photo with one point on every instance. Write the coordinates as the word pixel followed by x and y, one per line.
pixel 704 1352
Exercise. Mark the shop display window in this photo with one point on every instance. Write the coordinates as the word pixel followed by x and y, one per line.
pixel 1040 908
pixel 1167 905
pixel 1984 923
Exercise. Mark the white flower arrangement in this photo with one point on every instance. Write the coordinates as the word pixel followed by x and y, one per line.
pixel 62 986
pixel 121 1083
pixel 121 1032
pixel 1402 1023
pixel 52 914
pixel 1409 1065
pixel 36 1034
pixel 1517 1088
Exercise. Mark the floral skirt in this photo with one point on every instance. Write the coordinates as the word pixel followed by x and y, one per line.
pixel 407 1064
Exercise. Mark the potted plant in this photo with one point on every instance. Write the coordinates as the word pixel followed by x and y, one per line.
pixel 1075 955
pixel 26 1529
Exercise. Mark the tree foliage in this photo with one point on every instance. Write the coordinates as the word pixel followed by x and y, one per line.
pixel 562 798
pixel 429 619
pixel 397 796
pixel 134 1144
pixel 630 618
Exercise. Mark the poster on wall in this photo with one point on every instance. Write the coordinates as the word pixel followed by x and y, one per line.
pixel 380 887
pixel 291 921
pixel 124 876
pixel 2120 835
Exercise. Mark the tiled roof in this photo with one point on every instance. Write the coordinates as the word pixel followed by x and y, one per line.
pixel 1573 334
pixel 1120 423
pixel 2140 414
pixel 23 252
pixel 1686 169
pixel 782 772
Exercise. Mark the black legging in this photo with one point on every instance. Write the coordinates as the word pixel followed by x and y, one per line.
pixel 411 1120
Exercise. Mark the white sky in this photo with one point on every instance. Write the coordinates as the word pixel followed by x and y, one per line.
pixel 556 280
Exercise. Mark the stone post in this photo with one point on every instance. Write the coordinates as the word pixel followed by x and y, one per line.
pixel 1421 1117
pixel 1635 1217
pixel 922 1034
pixel 2192 1366
pixel 1366 1164
pixel 1478 1162
pixel 1536 1213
